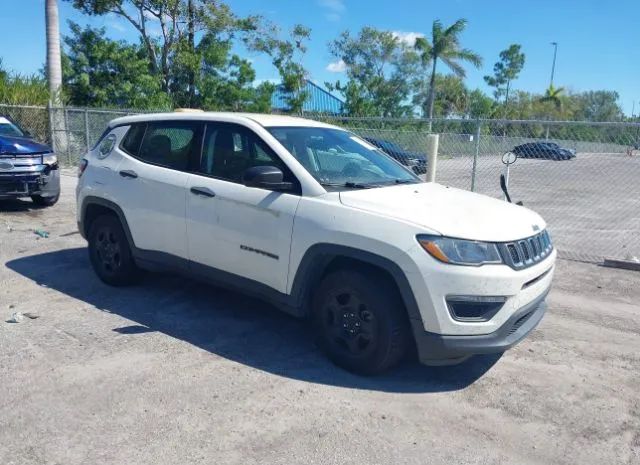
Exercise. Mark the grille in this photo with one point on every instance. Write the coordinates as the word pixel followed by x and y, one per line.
pixel 519 322
pixel 527 252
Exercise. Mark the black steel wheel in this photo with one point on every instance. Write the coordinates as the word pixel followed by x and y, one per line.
pixel 360 321
pixel 109 252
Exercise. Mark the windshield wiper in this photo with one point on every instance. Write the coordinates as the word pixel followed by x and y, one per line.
pixel 350 185
pixel 405 181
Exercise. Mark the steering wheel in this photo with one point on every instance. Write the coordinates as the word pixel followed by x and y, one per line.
pixel 351 169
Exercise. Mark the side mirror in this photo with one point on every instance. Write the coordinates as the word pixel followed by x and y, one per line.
pixel 266 177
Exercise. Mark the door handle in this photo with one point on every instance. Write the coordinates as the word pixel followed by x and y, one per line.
pixel 128 174
pixel 203 191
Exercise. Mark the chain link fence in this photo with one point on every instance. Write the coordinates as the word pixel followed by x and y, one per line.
pixel 591 201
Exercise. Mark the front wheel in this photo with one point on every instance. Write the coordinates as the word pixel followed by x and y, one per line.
pixel 360 321
pixel 109 252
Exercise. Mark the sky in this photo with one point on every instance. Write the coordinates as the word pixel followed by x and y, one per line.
pixel 598 41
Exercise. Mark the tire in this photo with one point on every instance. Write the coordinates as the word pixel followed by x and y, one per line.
pixel 45 201
pixel 109 252
pixel 360 322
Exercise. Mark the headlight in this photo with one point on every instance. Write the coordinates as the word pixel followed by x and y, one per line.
pixel 49 159
pixel 460 251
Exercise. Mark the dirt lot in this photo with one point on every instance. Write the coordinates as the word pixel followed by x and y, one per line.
pixel 172 372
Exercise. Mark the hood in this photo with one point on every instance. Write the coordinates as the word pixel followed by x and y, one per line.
pixel 10 145
pixel 452 212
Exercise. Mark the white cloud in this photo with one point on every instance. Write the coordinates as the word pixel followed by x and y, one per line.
pixel 334 9
pixel 337 67
pixel 408 38
pixel 116 25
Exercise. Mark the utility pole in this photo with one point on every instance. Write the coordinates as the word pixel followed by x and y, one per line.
pixel 553 66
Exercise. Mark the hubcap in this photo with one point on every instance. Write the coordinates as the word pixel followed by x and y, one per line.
pixel 108 250
pixel 350 323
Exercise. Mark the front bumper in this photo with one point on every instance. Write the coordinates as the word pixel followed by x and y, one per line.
pixel 438 348
pixel 43 181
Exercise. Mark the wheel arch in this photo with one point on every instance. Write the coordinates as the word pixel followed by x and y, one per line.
pixel 93 207
pixel 321 259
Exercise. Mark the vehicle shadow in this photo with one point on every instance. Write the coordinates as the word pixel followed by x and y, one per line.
pixel 229 325
pixel 18 205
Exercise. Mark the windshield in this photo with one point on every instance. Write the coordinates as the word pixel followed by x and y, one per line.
pixel 340 159
pixel 7 128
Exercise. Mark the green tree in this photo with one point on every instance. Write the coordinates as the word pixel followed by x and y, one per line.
pixel 554 96
pixel 505 71
pixel 480 105
pixel 179 22
pixel 597 105
pixel 444 46
pixel 381 71
pixel 451 97
pixel 225 81
pixel 100 72
pixel 287 57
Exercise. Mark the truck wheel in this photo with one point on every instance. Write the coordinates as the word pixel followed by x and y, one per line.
pixel 360 322
pixel 109 252
pixel 45 201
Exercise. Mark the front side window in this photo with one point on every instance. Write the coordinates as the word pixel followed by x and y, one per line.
pixel 230 149
pixel 7 128
pixel 169 144
pixel 337 158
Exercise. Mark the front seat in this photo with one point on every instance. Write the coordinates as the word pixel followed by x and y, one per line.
pixel 158 150
pixel 224 160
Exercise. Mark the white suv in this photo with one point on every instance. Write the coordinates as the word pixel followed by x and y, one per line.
pixel 323 224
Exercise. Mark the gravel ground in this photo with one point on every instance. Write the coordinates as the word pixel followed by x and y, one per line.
pixel 174 372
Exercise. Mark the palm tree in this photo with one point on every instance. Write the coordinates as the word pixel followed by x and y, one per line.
pixel 54 66
pixel 445 46
pixel 555 96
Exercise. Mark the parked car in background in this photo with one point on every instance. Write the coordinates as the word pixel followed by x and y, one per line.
pixel 315 220
pixel 546 150
pixel 416 161
pixel 27 167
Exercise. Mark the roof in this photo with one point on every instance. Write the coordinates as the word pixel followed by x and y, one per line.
pixel 262 119
pixel 319 100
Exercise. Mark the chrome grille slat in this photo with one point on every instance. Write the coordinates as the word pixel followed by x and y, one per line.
pixel 526 252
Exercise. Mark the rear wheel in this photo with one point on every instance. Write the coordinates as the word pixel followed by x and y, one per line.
pixel 360 321
pixel 45 201
pixel 109 252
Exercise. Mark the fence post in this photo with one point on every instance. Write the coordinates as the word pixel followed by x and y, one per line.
pixel 432 156
pixel 66 133
pixel 86 128
pixel 475 158
pixel 52 129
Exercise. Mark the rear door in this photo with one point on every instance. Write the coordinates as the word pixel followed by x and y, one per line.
pixel 233 228
pixel 151 184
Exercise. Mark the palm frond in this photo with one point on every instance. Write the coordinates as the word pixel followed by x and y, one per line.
pixel 454 66
pixel 456 28
pixel 467 55
pixel 424 49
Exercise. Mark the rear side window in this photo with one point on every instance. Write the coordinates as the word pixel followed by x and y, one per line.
pixel 133 139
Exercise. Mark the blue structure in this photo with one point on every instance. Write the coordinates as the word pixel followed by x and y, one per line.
pixel 318 100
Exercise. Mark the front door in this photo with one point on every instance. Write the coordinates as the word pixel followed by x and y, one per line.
pixel 233 228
